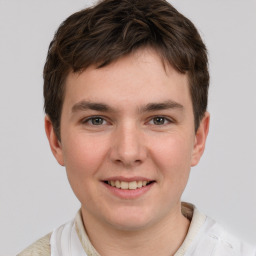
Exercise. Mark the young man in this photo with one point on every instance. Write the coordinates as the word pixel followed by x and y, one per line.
pixel 125 87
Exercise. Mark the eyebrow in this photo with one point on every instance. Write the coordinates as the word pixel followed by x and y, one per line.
pixel 85 105
pixel 169 104
pixel 150 107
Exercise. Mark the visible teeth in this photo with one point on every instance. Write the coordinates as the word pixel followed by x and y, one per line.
pixel 127 185
pixel 117 184
pixel 124 185
pixel 133 185
pixel 139 184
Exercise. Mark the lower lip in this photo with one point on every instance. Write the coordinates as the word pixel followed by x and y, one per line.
pixel 129 193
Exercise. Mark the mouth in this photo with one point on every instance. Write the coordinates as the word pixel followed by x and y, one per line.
pixel 132 185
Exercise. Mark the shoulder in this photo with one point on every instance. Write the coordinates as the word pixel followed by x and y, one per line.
pixel 207 237
pixel 40 248
pixel 223 242
pixel 235 244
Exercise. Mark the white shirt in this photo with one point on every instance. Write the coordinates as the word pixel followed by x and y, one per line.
pixel 205 238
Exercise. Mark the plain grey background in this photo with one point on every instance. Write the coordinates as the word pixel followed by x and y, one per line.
pixel 35 196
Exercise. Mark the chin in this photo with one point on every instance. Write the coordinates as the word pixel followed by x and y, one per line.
pixel 131 220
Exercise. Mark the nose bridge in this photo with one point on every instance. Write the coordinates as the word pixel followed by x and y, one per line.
pixel 128 147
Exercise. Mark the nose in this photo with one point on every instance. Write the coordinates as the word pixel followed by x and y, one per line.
pixel 128 147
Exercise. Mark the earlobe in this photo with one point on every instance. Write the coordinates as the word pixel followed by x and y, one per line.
pixel 200 139
pixel 54 143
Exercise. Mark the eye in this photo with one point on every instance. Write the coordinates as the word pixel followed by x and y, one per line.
pixel 159 120
pixel 96 120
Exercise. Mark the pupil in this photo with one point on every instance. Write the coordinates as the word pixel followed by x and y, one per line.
pixel 159 120
pixel 97 121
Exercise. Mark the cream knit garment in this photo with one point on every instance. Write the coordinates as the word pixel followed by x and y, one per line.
pixel 42 246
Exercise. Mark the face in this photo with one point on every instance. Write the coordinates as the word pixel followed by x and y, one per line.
pixel 128 140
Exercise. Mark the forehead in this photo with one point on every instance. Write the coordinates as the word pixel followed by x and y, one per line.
pixel 134 79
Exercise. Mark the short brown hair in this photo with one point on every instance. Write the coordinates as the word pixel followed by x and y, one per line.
pixel 114 28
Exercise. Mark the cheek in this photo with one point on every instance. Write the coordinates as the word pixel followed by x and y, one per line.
pixel 82 158
pixel 83 155
pixel 173 156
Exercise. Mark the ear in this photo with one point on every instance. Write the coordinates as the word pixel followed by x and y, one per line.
pixel 200 139
pixel 55 144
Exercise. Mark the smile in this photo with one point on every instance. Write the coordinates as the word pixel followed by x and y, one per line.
pixel 132 185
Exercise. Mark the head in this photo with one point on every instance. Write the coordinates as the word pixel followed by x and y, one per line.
pixel 125 96
pixel 113 29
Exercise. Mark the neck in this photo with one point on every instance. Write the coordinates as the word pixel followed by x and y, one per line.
pixel 163 238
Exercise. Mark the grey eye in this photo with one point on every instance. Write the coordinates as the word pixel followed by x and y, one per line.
pixel 159 120
pixel 97 121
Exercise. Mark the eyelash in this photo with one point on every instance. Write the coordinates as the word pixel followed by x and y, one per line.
pixel 91 118
pixel 168 120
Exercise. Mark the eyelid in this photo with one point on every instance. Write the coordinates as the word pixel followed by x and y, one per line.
pixel 169 119
pixel 89 118
pixel 86 120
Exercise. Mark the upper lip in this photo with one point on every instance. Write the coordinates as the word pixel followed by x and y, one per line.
pixel 128 179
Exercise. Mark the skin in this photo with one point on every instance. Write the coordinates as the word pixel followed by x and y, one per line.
pixel 133 141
